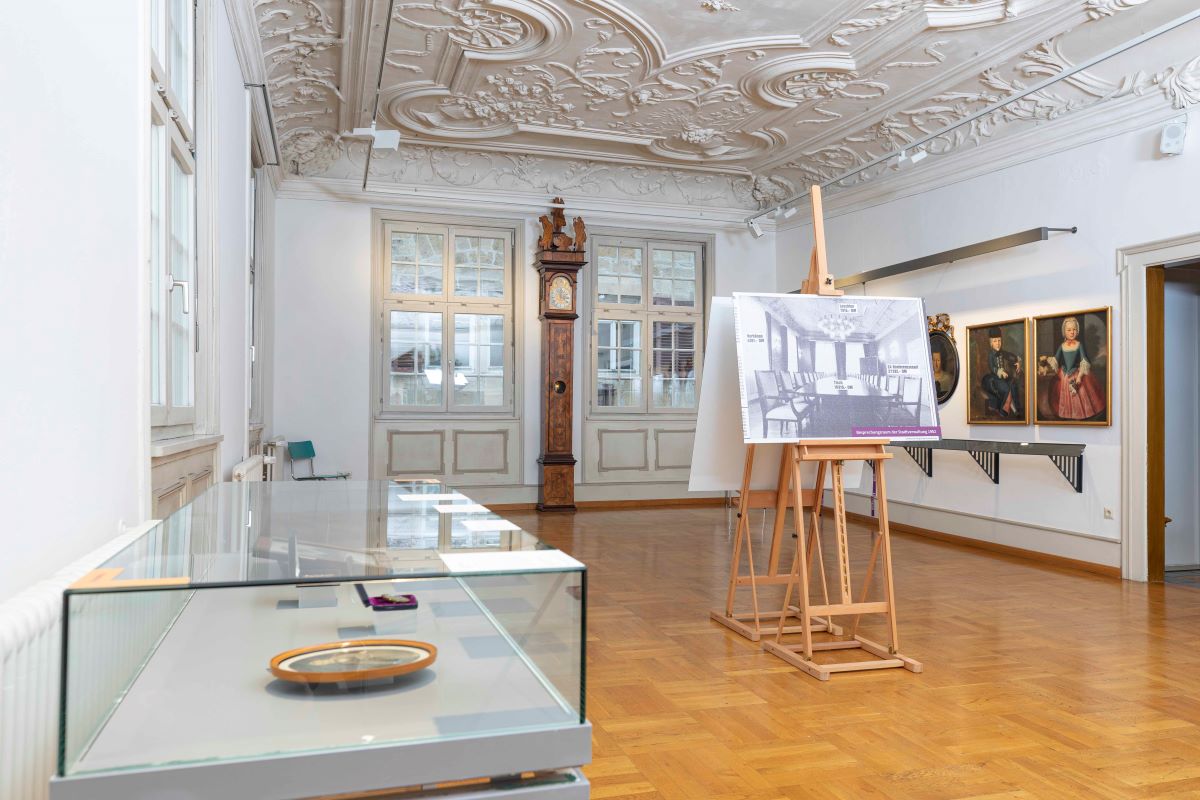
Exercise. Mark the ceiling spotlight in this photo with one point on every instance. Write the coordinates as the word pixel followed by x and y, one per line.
pixel 904 160
pixel 789 212
pixel 755 228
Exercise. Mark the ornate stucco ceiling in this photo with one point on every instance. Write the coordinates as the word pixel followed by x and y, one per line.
pixel 717 102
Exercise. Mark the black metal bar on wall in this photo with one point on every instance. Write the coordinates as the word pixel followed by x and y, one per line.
pixel 950 256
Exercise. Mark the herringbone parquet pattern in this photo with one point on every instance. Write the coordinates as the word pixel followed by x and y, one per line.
pixel 1038 682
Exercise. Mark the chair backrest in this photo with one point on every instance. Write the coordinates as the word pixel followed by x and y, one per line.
pixel 912 390
pixel 789 381
pixel 768 384
pixel 301 451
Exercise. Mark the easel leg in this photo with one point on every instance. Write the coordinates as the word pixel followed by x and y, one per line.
pixel 843 544
pixel 740 531
pixel 866 587
pixel 754 586
pixel 800 572
pixel 815 534
pixel 885 536
pixel 781 493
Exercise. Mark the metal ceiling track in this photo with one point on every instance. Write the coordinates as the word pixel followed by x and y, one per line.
pixel 957 254
pixel 270 119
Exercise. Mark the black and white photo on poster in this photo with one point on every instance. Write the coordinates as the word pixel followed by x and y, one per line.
pixel 817 367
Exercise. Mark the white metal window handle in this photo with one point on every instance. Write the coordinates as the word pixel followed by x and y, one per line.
pixel 187 292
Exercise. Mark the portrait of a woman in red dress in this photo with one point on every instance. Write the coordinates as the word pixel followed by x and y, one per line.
pixel 1073 381
pixel 1076 394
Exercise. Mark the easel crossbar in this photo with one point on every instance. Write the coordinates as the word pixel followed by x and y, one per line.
pixel 848 608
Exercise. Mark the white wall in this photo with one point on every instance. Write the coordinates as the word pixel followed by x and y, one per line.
pixel 1119 193
pixel 322 297
pixel 74 468
pixel 73 278
pixel 232 263
pixel 322 327
pixel 1182 422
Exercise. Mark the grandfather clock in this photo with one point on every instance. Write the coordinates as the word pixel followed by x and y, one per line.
pixel 560 258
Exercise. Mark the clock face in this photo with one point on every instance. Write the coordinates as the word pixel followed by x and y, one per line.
pixel 560 293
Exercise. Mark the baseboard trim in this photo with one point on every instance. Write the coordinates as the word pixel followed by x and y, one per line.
pixel 1048 559
pixel 617 505
pixel 664 502
pixel 500 508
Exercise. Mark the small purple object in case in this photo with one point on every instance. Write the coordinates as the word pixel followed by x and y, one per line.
pixel 393 602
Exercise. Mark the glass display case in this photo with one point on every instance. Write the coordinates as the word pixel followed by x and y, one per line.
pixel 322 638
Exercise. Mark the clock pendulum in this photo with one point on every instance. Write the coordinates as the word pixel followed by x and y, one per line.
pixel 560 258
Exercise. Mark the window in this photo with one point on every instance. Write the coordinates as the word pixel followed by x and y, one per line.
pixel 172 213
pixel 447 319
pixel 648 316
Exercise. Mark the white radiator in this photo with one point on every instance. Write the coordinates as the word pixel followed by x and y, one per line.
pixel 252 469
pixel 30 648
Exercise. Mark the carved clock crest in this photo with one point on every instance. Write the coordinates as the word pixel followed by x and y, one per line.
pixel 560 258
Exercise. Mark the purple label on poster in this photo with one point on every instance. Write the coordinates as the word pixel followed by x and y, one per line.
pixel 898 431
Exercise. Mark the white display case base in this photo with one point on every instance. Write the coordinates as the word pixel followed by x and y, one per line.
pixel 353 770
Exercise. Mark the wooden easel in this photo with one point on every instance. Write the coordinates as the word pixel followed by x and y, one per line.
pixel 830 455
pixel 788 492
pixel 834 453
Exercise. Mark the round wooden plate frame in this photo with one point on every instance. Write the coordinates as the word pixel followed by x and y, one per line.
pixel 296 676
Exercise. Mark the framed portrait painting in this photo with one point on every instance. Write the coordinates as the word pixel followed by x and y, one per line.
pixel 997 373
pixel 1074 377
pixel 945 364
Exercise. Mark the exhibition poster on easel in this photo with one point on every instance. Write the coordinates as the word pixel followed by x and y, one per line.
pixel 814 367
pixel 719 449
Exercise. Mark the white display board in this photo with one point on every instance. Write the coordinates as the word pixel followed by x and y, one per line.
pixel 813 367
pixel 719 452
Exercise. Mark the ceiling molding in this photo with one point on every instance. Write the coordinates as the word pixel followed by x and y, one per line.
pixel 675 104
pixel 599 209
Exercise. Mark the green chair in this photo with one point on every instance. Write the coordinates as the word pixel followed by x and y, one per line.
pixel 304 451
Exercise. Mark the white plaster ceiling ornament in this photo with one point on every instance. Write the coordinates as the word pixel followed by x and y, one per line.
pixel 646 99
pixel 1099 9
pixel 715 6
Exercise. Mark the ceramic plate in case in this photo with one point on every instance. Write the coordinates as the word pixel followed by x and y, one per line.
pixel 359 660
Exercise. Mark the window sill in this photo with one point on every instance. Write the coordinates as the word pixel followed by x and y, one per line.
pixel 171 447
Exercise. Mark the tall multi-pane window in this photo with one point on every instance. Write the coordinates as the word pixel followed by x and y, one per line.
pixel 172 195
pixel 446 318
pixel 648 316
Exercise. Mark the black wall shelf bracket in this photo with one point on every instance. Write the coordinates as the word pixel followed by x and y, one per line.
pixel 924 458
pixel 989 461
pixel 1067 458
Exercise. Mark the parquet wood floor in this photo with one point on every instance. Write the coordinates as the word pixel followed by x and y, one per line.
pixel 1039 682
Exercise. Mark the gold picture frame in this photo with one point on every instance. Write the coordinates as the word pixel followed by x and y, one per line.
pixel 353 660
pixel 998 396
pixel 1087 398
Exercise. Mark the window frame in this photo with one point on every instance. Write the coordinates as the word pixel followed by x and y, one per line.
pixel 448 305
pixel 177 125
pixel 648 314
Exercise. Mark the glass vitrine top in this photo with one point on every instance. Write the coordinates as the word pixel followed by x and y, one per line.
pixel 323 531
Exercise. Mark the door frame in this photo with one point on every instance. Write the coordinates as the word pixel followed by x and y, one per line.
pixel 1133 264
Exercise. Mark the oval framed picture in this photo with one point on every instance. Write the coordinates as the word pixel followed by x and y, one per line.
pixel 356 660
pixel 945 364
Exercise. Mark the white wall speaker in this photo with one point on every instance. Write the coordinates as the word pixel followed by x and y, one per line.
pixel 1174 135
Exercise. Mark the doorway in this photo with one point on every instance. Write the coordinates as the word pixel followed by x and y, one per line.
pixel 1173 392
